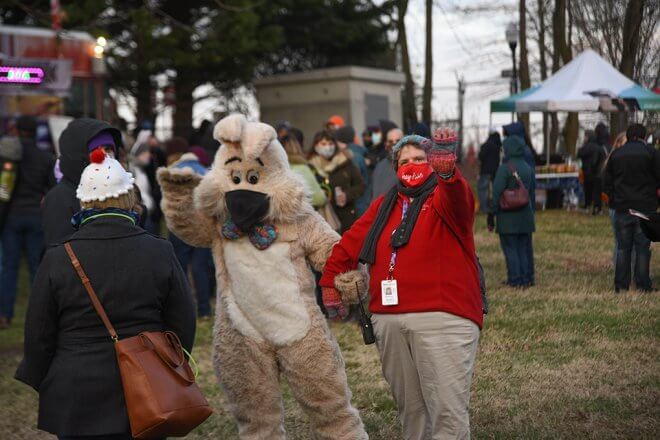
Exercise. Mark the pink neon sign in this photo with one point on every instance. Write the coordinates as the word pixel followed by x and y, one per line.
pixel 21 75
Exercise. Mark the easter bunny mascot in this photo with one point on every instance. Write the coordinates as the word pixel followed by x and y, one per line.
pixel 253 212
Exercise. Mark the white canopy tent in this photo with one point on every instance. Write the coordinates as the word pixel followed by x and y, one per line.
pixel 587 83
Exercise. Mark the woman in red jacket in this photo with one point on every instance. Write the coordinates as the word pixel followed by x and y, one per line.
pixel 425 298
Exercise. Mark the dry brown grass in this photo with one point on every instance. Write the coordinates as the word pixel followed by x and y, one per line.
pixel 565 359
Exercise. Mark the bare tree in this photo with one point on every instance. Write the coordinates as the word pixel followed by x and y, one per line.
pixel 428 72
pixel 409 106
pixel 523 67
pixel 562 54
pixel 543 65
pixel 631 26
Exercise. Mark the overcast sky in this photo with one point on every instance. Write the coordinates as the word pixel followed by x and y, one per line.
pixel 472 46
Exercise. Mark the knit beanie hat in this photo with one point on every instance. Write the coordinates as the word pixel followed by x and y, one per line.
pixel 345 134
pixel 103 138
pixel 103 178
pixel 412 139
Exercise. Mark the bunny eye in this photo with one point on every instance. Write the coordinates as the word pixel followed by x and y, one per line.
pixel 253 177
pixel 236 177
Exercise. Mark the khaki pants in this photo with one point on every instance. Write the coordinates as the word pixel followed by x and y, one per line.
pixel 428 360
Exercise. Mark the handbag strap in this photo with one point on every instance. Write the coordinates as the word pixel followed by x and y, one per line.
pixel 90 291
pixel 514 173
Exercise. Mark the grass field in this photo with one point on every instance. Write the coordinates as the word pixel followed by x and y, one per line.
pixel 565 359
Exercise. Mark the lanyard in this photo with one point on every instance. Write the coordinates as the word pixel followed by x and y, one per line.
pixel 390 270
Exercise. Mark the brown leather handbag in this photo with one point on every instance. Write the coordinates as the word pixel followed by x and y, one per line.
pixel 516 198
pixel 161 396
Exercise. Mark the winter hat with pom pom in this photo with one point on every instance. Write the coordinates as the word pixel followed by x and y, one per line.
pixel 103 178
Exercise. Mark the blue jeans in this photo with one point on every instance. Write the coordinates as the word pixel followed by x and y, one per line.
pixel 201 262
pixel 629 235
pixel 519 257
pixel 484 192
pixel 21 233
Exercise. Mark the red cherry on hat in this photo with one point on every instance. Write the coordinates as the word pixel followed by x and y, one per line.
pixel 97 156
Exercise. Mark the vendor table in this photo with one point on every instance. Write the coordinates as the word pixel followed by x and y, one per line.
pixel 569 183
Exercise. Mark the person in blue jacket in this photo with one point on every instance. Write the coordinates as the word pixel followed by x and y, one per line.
pixel 200 260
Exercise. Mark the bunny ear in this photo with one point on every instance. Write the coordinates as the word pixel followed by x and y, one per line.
pixel 256 138
pixel 230 128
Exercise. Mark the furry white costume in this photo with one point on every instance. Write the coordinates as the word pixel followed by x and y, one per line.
pixel 267 319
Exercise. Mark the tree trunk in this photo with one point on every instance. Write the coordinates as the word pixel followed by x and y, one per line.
pixel 428 73
pixel 183 110
pixel 524 65
pixel 143 97
pixel 543 67
pixel 572 122
pixel 409 105
pixel 563 50
pixel 544 70
pixel 571 128
pixel 557 25
pixel 631 25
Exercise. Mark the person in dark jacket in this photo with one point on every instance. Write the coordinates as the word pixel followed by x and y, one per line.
pixel 603 151
pixel 69 357
pixel 61 203
pixel 22 230
pixel 587 154
pixel 593 155
pixel 515 228
pixel 345 137
pixel 631 181
pixel 489 156
pixel 340 174
pixel 378 150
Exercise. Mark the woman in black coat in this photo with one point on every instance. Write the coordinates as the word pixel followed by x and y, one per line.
pixel 69 357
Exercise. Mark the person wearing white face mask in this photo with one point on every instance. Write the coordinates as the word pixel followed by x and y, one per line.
pixel 340 175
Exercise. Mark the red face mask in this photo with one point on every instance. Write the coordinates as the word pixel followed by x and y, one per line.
pixel 414 174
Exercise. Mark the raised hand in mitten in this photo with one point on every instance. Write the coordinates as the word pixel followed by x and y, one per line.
pixel 442 156
pixel 333 304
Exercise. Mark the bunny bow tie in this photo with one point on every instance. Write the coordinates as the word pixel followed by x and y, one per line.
pixel 261 235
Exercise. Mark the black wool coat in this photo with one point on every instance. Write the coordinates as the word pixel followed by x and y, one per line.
pixel 69 357
pixel 632 177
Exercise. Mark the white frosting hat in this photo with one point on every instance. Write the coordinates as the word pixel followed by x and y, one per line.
pixel 103 178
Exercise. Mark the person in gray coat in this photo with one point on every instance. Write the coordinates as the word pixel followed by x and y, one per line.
pixel 384 176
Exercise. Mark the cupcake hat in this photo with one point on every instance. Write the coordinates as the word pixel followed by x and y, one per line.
pixel 104 178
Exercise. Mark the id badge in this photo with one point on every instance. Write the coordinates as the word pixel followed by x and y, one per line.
pixel 388 293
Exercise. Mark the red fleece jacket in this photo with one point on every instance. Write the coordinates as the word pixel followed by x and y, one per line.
pixel 436 270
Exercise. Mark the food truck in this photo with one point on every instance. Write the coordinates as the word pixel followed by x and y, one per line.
pixel 51 75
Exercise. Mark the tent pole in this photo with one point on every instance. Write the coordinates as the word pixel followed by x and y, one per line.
pixel 547 134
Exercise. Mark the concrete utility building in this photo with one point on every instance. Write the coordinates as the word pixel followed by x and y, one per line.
pixel 360 95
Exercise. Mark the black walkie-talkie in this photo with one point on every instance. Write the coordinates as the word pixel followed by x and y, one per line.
pixel 365 322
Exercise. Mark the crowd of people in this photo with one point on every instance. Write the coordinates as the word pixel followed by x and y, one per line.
pixel 394 202
pixel 624 173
